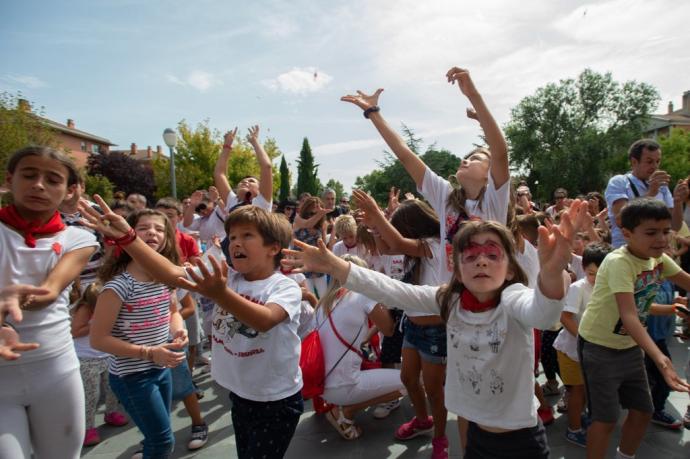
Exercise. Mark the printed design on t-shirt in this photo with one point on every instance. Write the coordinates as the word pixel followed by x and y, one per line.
pixel 475 379
pixel 646 287
pixel 474 342
pixel 228 326
pixel 158 306
pixel 495 383
pixel 495 337
pixel 454 339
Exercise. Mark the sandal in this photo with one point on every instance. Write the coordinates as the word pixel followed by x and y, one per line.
pixel 345 427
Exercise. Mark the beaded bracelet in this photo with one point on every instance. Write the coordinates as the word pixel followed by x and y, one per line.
pixel 127 239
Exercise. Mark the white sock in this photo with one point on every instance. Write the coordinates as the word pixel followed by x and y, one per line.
pixel 620 455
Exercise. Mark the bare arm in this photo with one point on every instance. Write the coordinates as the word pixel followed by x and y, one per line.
pixel 616 210
pixel 413 165
pixel 188 304
pixel 494 136
pixel 569 322
pixel 266 174
pixel 80 321
pixel 188 214
pixel 220 177
pixel 680 195
pixel 631 322
pixel 381 317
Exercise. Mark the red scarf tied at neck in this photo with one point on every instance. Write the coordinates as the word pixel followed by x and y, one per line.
pixel 469 302
pixel 10 216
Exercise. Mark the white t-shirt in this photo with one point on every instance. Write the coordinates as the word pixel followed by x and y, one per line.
pixel 494 207
pixel 349 315
pixel 394 266
pixel 259 366
pixel 576 267
pixel 575 301
pixel 529 262
pixel 489 377
pixel 340 249
pixel 20 264
pixel 306 313
pixel 259 201
pixel 430 272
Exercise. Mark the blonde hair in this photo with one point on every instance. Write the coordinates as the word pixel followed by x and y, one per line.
pixel 345 224
pixel 447 292
pixel 328 299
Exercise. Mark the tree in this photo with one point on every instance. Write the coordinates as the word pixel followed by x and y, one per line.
pixel 284 180
pixel 336 186
pixel 675 154
pixel 20 127
pixel 392 173
pixel 125 173
pixel 196 154
pixel 572 134
pixel 97 184
pixel 307 180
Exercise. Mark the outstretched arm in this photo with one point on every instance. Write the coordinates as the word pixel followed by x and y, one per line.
pixel 220 177
pixel 494 136
pixel 266 174
pixel 413 165
pixel 112 225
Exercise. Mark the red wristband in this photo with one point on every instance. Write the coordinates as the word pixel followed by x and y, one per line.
pixel 127 239
pixel 229 147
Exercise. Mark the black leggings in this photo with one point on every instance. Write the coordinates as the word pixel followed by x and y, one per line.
pixel 549 358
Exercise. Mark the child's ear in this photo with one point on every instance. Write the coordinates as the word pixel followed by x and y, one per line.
pixel 275 249
pixel 627 234
pixel 510 274
pixel 70 191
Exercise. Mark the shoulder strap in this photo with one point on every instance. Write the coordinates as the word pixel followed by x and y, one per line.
pixel 633 187
pixel 342 340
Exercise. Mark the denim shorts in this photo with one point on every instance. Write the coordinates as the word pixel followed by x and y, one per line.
pixel 428 340
pixel 182 384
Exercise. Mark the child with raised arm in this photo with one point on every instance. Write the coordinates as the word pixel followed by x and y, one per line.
pixel 36 248
pixel 483 174
pixel 612 336
pixel 256 345
pixel 489 314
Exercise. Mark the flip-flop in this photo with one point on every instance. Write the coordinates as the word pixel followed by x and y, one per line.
pixel 345 427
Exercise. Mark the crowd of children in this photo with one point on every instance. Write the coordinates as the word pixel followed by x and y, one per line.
pixel 469 287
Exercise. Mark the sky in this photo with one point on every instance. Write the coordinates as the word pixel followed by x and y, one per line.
pixel 125 69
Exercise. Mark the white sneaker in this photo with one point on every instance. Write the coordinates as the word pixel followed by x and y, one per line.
pixel 384 409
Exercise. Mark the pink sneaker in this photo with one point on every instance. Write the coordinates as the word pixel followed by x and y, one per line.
pixel 92 437
pixel 414 428
pixel 440 448
pixel 116 419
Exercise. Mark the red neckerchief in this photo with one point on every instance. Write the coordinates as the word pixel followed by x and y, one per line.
pixel 11 217
pixel 469 302
pixel 348 247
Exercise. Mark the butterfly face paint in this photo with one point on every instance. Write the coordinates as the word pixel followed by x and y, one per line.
pixel 490 249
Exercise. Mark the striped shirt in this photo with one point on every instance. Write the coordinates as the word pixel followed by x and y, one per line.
pixel 144 318
pixel 90 271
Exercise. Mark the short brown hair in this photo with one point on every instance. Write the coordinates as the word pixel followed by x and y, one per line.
pixel 273 228
pixel 45 152
pixel 169 203
pixel 641 145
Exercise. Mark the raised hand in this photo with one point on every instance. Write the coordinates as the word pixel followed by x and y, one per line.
pixel 656 181
pixel 681 192
pixel 10 344
pixel 462 78
pixel 196 198
pixel 555 241
pixel 213 194
pixel 210 284
pixel 108 223
pixel 13 297
pixel 229 138
pixel 253 136
pixel 393 200
pixel 311 259
pixel 363 101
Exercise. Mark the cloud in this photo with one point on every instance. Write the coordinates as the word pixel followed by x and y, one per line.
pixel 28 81
pixel 200 80
pixel 299 81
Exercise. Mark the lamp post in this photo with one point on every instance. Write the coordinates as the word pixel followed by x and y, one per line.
pixel 170 139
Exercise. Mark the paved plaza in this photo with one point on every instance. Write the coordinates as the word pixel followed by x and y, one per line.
pixel 315 438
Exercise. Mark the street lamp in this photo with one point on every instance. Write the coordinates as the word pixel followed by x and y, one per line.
pixel 170 139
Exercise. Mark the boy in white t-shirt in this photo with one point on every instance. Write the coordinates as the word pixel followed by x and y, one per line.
pixel 566 343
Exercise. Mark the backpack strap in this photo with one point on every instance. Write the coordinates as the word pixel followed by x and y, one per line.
pixel 342 340
pixel 632 186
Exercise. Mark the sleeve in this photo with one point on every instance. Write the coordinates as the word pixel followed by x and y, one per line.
pixel 617 188
pixel 286 294
pixel 366 303
pixel 78 238
pixel 120 286
pixel 195 225
pixel 230 200
pixel 435 190
pixel 383 289
pixel 531 307
pixel 623 280
pixel 573 299
pixel 191 247
pixel 667 197
pixel 260 201
pixel 496 201
pixel 671 268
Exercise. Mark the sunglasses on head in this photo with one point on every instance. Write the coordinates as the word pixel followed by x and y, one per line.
pixel 200 208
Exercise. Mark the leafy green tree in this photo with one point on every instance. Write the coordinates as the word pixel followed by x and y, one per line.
pixel 196 154
pixel 307 170
pixel 675 154
pixel 20 127
pixel 284 192
pixel 97 184
pixel 573 133
pixel 391 172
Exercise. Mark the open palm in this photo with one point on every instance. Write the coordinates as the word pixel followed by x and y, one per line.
pixel 363 101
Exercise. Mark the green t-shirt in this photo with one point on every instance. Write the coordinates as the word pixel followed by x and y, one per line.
pixel 622 272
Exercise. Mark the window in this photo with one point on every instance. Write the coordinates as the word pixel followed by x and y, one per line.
pixel 83 146
pixel 95 149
